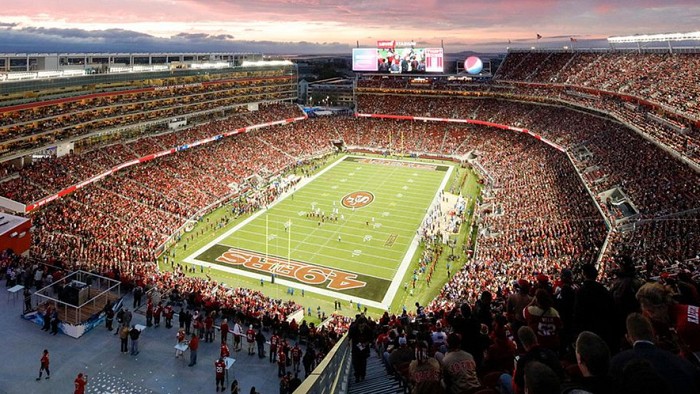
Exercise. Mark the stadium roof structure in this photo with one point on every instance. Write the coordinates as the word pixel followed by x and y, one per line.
pixel 638 38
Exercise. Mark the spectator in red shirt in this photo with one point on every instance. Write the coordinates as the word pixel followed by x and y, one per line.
pixel 281 362
pixel 250 338
pixel 194 345
pixel 209 328
pixel 296 358
pixel 168 313
pixel 44 365
pixel 224 350
pixel 274 340
pixel 500 355
pixel 156 314
pixel 220 367
pixel 677 327
pixel 224 330
pixel 80 383
pixel 149 313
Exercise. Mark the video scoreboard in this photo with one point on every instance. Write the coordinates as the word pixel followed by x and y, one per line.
pixel 398 57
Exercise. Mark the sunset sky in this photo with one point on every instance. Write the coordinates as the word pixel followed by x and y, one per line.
pixel 461 24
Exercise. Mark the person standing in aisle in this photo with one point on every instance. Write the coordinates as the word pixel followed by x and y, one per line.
pixel 124 338
pixel 54 322
pixel 250 338
pixel 260 340
pixel 224 351
pixel 194 345
pixel 168 313
pixel 149 313
pixel 157 312
pixel 188 322
pixel 134 334
pixel 109 315
pixel 44 365
pixel 127 317
pixel 281 362
pixel 296 358
pixel 234 387
pixel 80 382
pixel 220 368
pixel 27 300
pixel 181 317
pixel 180 336
pixel 274 341
pixel 209 328
pixel 224 331
pixel 138 293
pixel 237 334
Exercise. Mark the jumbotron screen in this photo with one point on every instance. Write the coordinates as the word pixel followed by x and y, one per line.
pixel 398 60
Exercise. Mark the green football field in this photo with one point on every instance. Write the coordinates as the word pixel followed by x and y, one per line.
pixel 348 232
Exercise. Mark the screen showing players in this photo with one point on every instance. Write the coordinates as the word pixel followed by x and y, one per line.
pixel 398 60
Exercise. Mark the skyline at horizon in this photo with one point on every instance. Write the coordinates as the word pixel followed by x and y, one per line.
pixel 332 26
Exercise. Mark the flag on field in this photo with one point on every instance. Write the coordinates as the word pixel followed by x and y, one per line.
pixel 539 37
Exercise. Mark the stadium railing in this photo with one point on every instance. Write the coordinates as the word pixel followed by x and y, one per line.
pixel 331 375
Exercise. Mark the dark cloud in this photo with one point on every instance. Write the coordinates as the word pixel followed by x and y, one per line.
pixel 201 37
pixel 38 39
pixel 190 36
pixel 222 37
pixel 82 34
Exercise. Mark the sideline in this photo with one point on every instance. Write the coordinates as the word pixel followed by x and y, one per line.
pixel 406 262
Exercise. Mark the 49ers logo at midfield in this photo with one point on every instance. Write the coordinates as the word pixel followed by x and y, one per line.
pixel 357 199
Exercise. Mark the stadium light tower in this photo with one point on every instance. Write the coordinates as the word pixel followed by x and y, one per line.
pixel 647 38
pixel 694 36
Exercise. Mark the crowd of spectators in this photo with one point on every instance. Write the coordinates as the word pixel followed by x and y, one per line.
pixel 647 181
pixel 568 334
pixel 664 78
pixel 125 217
pixel 676 129
pixel 537 222
pixel 664 190
pixel 523 234
pixel 674 132
pixel 48 176
pixel 45 123
pixel 667 246
pixel 516 239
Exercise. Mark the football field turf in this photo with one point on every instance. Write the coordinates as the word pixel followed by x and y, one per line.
pixel 348 232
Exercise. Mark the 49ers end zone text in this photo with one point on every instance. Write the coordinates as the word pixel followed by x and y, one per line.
pixel 302 272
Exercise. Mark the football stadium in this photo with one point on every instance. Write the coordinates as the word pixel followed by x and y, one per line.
pixel 531 226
